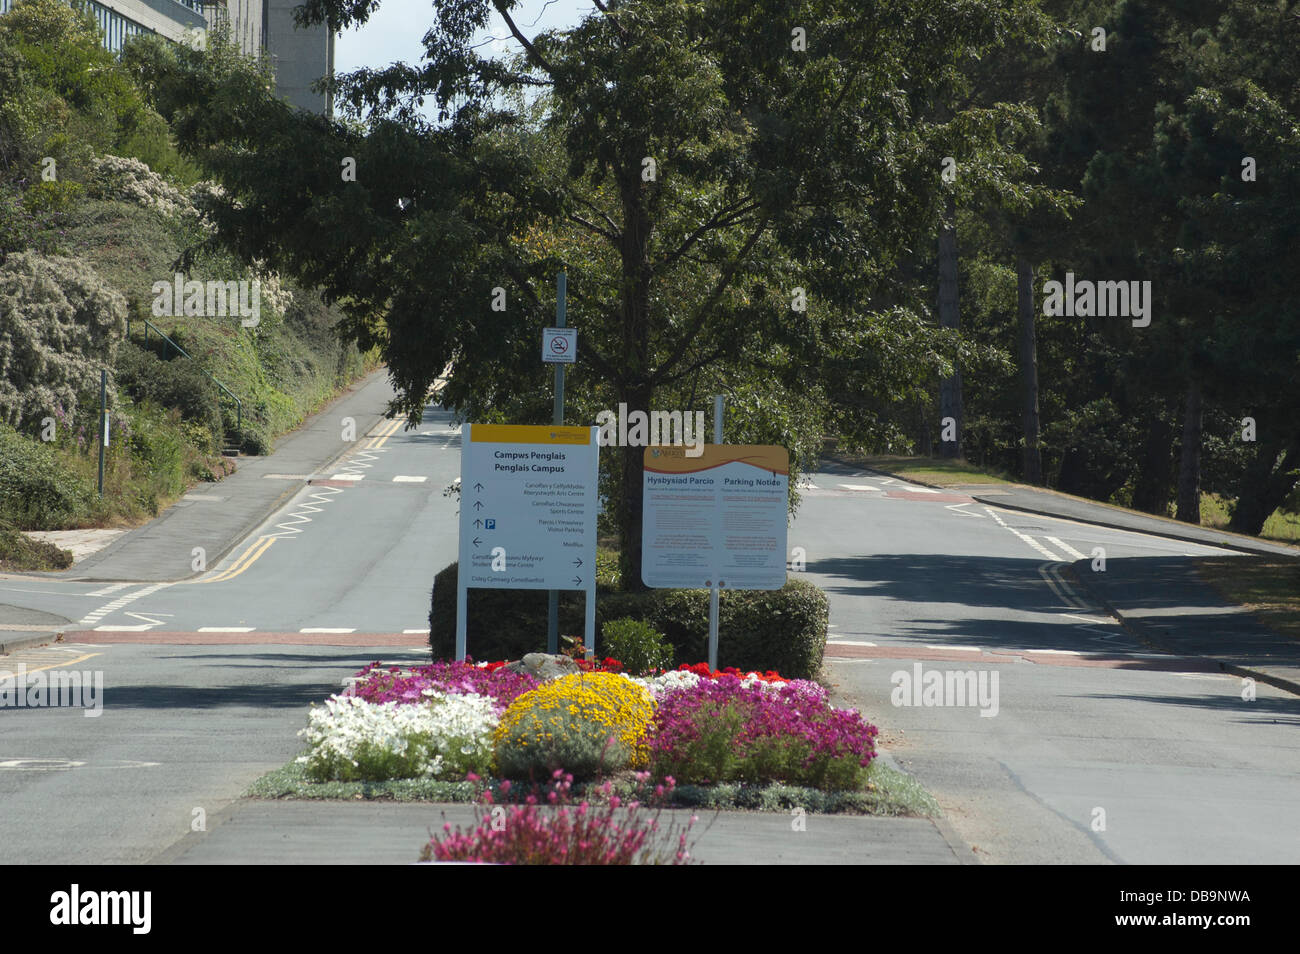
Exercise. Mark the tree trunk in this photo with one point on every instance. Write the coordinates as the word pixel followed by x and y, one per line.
pixel 1155 472
pixel 1189 468
pixel 1264 486
pixel 1033 466
pixel 635 386
pixel 949 317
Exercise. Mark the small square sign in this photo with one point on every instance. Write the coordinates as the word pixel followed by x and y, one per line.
pixel 560 345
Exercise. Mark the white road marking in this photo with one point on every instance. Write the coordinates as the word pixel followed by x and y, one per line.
pixel 1062 545
pixel 956 508
pixel 325 629
pixel 1058 586
pixel 1091 619
pixel 110 589
pixel 225 629
pixel 957 649
pixel 409 480
pixel 848 642
pixel 348 477
pixel 1025 537
pixel 860 487
pixel 309 505
pixel 413 632
pixel 94 616
pixel 144 628
pixel 1056 652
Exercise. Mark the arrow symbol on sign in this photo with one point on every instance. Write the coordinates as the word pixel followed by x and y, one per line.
pixel 577 581
pixel 478 523
pixel 478 486
pixel 478 505
pixel 477 541
pixel 578 562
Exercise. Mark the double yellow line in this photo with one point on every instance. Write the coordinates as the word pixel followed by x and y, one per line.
pixel 262 544
pixel 385 433
pixel 246 559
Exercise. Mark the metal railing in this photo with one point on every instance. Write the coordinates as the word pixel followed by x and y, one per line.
pixel 150 326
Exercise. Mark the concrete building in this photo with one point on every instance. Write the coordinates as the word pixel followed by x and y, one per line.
pixel 299 56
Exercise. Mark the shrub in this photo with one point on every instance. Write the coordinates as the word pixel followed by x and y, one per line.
pixel 59 323
pixel 723 731
pixel 179 383
pixel 36 493
pixel 585 723
pixel 783 629
pixel 637 646
pixel 532 835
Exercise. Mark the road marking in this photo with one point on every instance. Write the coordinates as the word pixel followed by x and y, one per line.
pixel 1091 619
pixel 956 508
pixel 309 504
pixel 412 632
pixel 225 629
pixel 957 649
pixel 1025 537
pixel 68 662
pixel 94 616
pixel 847 642
pixel 860 487
pixel 348 477
pixel 1062 545
pixel 287 476
pixel 245 560
pixel 1056 652
pixel 409 480
pixel 110 589
pixel 1052 578
pixel 385 432
pixel 326 629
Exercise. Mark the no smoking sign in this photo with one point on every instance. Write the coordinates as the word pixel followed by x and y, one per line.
pixel 560 345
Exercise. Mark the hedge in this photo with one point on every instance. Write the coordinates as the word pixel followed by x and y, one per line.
pixel 781 629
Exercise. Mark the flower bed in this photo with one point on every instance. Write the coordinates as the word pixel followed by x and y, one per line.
pixel 701 726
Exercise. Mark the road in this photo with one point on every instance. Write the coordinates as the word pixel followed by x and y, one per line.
pixel 1099 751
pixel 1135 758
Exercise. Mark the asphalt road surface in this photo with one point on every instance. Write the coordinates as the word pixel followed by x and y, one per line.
pixel 1090 749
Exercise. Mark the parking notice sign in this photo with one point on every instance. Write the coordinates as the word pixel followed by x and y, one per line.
pixel 718 519
pixel 560 345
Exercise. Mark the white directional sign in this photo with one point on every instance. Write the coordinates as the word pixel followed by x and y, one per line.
pixel 560 345
pixel 528 512
pixel 717 519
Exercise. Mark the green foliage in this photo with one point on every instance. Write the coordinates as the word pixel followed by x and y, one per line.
pixel 59 324
pixel 178 383
pixel 36 492
pixel 781 629
pixel 637 646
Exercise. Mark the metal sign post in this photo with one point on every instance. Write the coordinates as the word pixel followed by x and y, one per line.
pixel 557 418
pixel 713 589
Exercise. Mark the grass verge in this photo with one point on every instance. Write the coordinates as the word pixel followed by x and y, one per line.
pixel 888 793
pixel 1267 586
pixel 928 470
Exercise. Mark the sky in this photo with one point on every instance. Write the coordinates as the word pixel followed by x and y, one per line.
pixel 394 31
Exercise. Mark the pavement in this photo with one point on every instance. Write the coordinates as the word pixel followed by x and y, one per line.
pixel 1157 599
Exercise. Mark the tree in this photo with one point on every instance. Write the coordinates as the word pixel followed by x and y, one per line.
pixel 725 163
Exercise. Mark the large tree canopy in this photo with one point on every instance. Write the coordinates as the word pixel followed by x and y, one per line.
pixel 699 168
